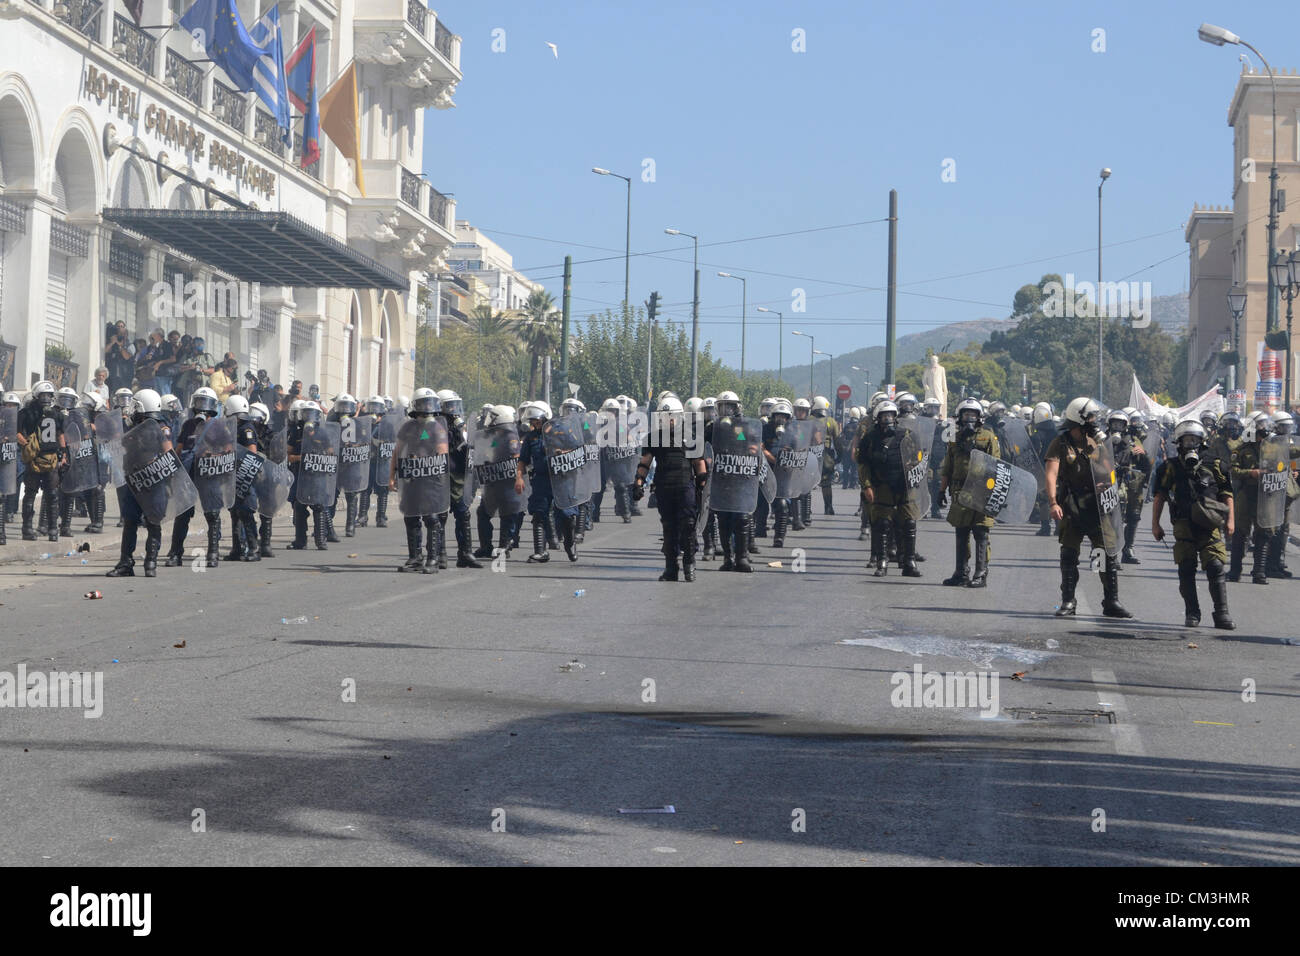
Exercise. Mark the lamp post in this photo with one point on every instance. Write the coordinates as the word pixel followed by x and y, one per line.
pixel 744 295
pixel 866 382
pixel 1237 306
pixel 812 349
pixel 627 253
pixel 780 343
pixel 695 313
pixel 830 380
pixel 1285 279
pixel 1218 36
pixel 1101 318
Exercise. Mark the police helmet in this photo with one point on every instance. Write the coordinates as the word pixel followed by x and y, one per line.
pixel 426 402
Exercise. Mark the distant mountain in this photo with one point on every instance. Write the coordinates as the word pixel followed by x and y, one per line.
pixel 1167 311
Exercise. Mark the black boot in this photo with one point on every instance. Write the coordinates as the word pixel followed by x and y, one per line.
pixel 710 538
pixel 381 508
pixel 414 562
pixel 728 537
pixel 1069 581
pixel 566 532
pixel 65 515
pixel 1237 556
pixel 4 516
pixel 350 519
pixel 552 541
pixel 327 518
pixel 96 525
pixel 1110 605
pixel 29 512
pixel 1045 528
pixel 981 576
pixel 1258 571
pixel 236 539
pixel 463 557
pixel 51 512
pixel 318 528
pixel 363 509
pixel 540 553
pixel 749 535
pixel 907 548
pixel 265 539
pixel 1187 588
pixel 504 541
pixel 214 537
pixel 299 542
pixel 1276 548
pixel 625 495
pixel 961 577
pixel 1130 530
pixel 688 567
pixel 879 531
pixel 744 532
pixel 827 507
pixel 434 547
pixel 1219 594
pixel 251 550
pixel 670 568
pixel 485 533
pixel 152 545
pixel 805 504
pixel 580 524
pixel 180 528
pixel 780 521
pixel 126 562
pixel 440 526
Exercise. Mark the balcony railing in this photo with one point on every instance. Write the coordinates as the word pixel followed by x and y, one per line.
pixel 311 169
pixel 417 15
pixel 133 44
pixel 411 189
pixel 229 105
pixel 81 15
pixel 184 77
pixel 267 132
pixel 438 205
pixel 442 40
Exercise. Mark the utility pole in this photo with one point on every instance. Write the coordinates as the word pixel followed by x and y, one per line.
pixel 564 328
pixel 892 294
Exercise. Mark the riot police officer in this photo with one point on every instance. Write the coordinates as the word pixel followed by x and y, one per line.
pixel 1042 432
pixel 783 510
pixel 204 406
pixel 821 408
pixel 882 474
pixel 424 408
pixel 1245 488
pixel 938 451
pixel 583 522
pixel 44 450
pixel 801 507
pixel 970 434
pixel 1132 470
pixel 243 514
pixel 1188 483
pixel 303 415
pixel 146 408
pixel 678 481
pixel 495 417
pixel 735 528
pixel 541 501
pixel 1073 495
pixel 260 417
pixel 1284 427
pixel 453 413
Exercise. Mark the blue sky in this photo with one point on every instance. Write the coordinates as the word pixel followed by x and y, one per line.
pixel 750 139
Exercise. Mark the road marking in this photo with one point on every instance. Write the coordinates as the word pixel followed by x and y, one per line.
pixel 1127 741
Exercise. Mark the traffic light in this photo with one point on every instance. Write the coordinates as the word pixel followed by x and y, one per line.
pixel 652 306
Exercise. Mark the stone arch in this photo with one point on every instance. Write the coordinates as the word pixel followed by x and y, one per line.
pixel 75 166
pixel 20 137
pixel 133 183
pixel 178 194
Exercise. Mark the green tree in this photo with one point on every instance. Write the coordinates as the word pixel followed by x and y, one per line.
pixel 541 333
pixel 967 370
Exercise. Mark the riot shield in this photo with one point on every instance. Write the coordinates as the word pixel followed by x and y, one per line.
pixel 108 446
pixel 790 449
pixel 998 489
pixel 383 439
pixel 213 469
pixel 1109 509
pixel 354 454
pixel 155 477
pixel 273 484
pixel 83 461
pixel 496 464
pixel 278 445
pixel 566 457
pixel 622 458
pixel 916 464
pixel 816 455
pixel 1021 450
pixel 737 465
pixel 248 469
pixel 8 451
pixel 318 471
pixel 1274 478
pixel 423 476
pixel 591 467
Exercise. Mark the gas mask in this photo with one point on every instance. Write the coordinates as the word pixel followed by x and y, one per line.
pixel 1189 451
pixel 1092 428
pixel 968 424
pixel 887 423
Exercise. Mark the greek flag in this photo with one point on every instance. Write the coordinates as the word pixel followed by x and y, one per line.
pixel 269 81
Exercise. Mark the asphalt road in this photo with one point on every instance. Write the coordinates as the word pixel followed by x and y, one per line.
pixel 501 719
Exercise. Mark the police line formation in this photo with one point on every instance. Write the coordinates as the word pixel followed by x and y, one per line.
pixel 1228 484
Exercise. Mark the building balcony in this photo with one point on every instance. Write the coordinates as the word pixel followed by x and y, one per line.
pixel 184 77
pixel 419 51
pixel 133 45
pixel 403 211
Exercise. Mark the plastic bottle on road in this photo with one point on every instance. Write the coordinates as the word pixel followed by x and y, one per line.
pixel 296 620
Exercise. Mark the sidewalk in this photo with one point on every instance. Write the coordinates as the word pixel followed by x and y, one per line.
pixel 18 551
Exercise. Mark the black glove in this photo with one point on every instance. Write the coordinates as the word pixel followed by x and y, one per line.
pixel 638 491
pixel 701 481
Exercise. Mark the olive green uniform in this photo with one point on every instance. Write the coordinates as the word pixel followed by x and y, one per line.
pixel 1133 470
pixel 882 469
pixel 1245 501
pixel 830 463
pixel 1076 494
pixel 966 521
pixel 1182 487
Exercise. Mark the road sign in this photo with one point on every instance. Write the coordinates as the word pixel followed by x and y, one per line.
pixel 843 393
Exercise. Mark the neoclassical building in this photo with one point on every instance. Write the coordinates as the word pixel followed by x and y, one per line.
pixel 128 160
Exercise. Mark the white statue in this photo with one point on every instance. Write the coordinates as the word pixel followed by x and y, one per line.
pixel 935 380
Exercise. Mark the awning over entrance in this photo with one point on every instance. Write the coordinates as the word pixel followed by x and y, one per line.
pixel 273 248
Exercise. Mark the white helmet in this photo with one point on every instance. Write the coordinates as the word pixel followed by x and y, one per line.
pixel 66 398
pixel 1080 411
pixel 171 403
pixel 236 406
pixel 404 401
pixel 820 403
pixel 802 403
pixel 572 405
pixel 258 412
pixel 695 405
pixel 727 404
pixel 345 404
pixel 122 397
pixel 452 404
pixel 205 399
pixel 145 401
pixel 1283 423
pixel 882 407
pixel 1188 426
pixel 502 415
pixel 782 406
pixel 534 410
pixel 877 397
pixel 611 405
pixel 10 398
pixel 671 404
pixel 1042 413
pixel 855 412
pixel 969 405
pixel 374 405
pixel 426 402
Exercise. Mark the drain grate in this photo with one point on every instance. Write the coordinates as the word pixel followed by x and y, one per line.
pixel 1063 716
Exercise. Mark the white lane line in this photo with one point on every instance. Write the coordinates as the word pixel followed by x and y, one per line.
pixel 1127 741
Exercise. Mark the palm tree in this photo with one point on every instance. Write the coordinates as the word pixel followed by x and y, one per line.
pixel 541 333
pixel 498 333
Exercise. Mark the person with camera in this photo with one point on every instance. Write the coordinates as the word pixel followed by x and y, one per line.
pixel 119 357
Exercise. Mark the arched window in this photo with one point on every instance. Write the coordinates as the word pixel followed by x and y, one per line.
pixel 131 192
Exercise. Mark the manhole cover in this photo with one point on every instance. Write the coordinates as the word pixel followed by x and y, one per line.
pixel 1063 716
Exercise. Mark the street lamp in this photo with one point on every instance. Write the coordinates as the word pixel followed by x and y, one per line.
pixel 831 378
pixel 627 253
pixel 1288 283
pixel 1237 306
pixel 812 348
pixel 780 343
pixel 1101 320
pixel 744 295
pixel 1218 36
pixel 695 313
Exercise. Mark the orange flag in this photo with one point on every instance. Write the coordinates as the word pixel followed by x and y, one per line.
pixel 340 120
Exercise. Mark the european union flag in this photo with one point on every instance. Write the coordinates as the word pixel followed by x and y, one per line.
pixel 252 62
